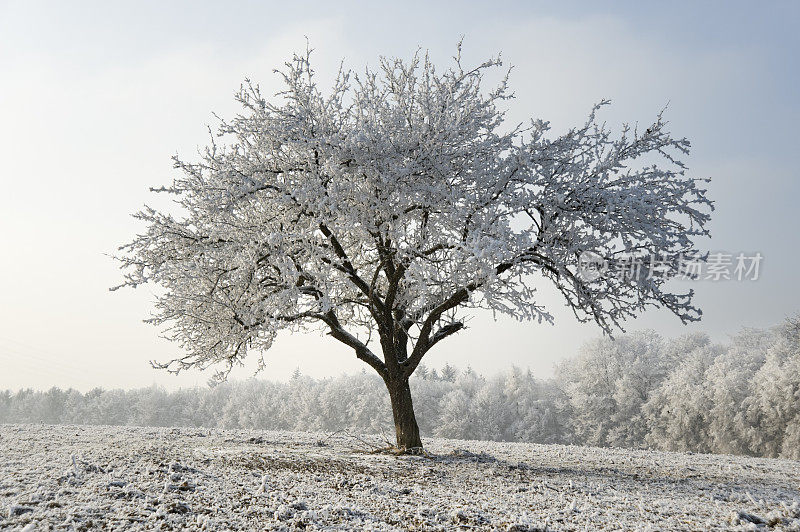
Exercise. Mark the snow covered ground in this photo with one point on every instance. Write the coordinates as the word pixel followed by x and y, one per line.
pixel 82 478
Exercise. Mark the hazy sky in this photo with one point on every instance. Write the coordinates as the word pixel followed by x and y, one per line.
pixel 96 96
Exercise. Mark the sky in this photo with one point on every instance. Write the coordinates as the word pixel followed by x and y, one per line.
pixel 95 97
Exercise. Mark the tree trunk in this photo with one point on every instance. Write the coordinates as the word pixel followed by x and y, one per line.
pixel 405 423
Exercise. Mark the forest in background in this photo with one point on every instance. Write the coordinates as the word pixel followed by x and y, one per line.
pixel 639 390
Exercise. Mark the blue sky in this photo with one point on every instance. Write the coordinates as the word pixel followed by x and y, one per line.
pixel 96 96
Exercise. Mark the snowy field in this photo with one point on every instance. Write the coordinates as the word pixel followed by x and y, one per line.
pixel 83 478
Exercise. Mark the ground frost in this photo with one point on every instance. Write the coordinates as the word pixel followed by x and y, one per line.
pixel 84 478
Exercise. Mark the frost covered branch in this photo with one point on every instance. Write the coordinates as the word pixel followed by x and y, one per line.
pixel 383 209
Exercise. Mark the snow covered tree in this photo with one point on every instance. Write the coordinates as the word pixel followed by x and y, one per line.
pixel 773 405
pixel 678 411
pixel 449 373
pixel 384 209
pixel 729 383
pixel 609 383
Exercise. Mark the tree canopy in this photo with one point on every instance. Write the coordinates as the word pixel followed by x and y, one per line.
pixel 384 208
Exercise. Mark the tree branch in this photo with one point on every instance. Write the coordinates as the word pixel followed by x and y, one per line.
pixel 362 351
pixel 348 267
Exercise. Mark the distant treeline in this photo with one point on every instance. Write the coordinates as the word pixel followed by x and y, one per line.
pixel 639 391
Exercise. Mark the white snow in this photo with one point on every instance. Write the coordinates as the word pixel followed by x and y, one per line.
pixel 80 478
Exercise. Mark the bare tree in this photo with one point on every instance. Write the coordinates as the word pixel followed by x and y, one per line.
pixel 384 209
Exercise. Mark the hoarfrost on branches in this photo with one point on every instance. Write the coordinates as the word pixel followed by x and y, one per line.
pixel 383 209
